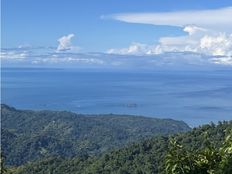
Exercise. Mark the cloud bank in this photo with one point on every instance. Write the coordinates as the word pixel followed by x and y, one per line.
pixel 214 45
pixel 208 32
pixel 165 60
pixel 13 54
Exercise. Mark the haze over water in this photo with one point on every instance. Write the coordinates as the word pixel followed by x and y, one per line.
pixel 196 97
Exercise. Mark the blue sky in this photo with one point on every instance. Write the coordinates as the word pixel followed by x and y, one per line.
pixel 108 26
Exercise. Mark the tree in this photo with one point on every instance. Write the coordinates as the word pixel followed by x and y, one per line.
pixel 2 165
pixel 225 151
pixel 210 160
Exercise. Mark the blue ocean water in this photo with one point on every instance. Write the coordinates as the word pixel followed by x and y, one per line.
pixel 196 97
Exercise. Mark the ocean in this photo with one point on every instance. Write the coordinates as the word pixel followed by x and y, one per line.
pixel 196 97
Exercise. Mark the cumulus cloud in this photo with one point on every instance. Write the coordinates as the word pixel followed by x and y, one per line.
pixel 65 43
pixel 219 44
pixel 133 49
pixel 137 49
pixel 215 19
pixel 209 33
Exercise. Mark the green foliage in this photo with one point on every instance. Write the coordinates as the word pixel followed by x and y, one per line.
pixel 210 160
pixel 225 165
pixel 178 161
pixel 182 152
pixel 34 135
pixel 2 164
pixel 64 142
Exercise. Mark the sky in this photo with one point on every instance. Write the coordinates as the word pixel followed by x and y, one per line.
pixel 121 33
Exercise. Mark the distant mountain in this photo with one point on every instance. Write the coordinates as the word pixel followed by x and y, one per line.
pixel 146 157
pixel 31 135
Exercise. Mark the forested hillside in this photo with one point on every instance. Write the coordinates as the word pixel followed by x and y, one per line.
pixel 34 135
pixel 150 156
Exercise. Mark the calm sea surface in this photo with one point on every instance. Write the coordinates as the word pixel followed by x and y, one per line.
pixel 194 97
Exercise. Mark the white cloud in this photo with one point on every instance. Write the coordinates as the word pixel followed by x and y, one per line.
pixel 217 45
pixel 65 43
pixel 222 60
pixel 133 49
pixel 12 54
pixel 192 29
pixel 214 19
pixel 147 56
pixel 209 33
pixel 67 60
pixel 180 43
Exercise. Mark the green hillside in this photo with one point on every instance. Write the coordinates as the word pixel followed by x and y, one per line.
pixel 147 157
pixel 33 135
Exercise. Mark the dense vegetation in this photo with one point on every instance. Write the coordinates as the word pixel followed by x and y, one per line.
pixel 35 135
pixel 209 145
pixel 208 160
